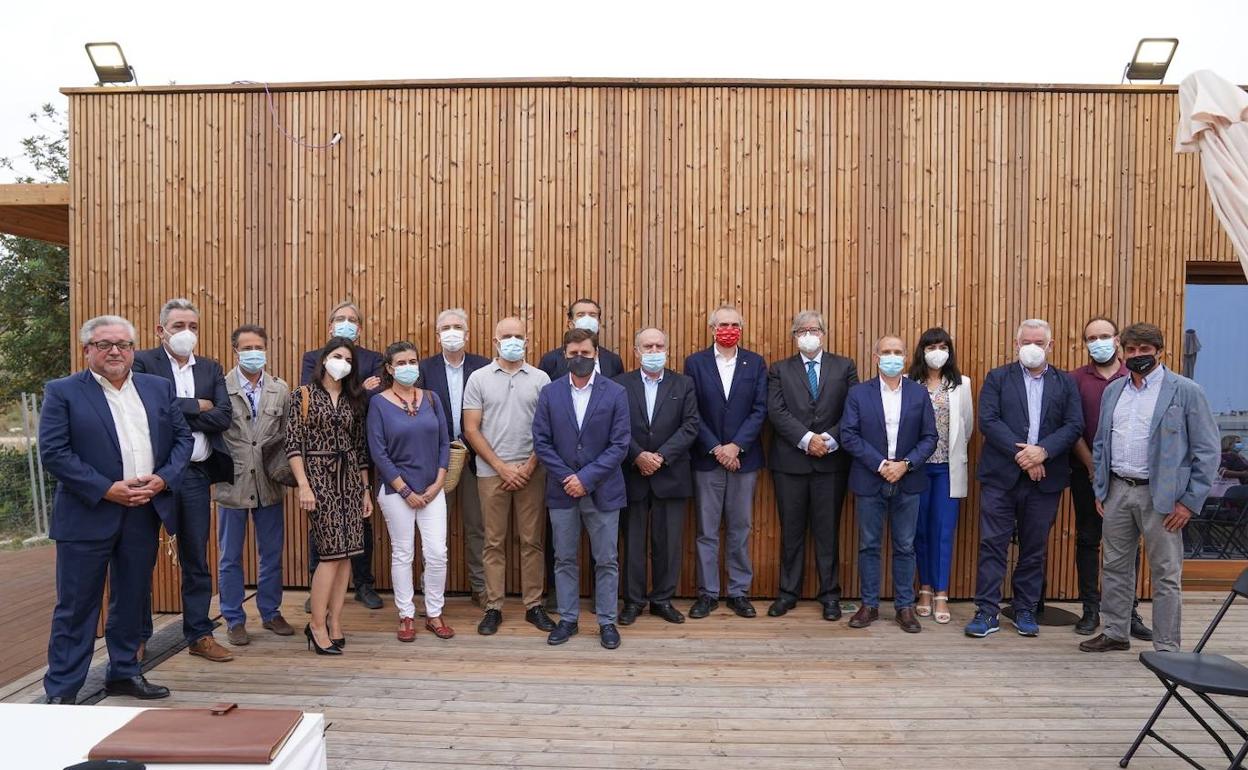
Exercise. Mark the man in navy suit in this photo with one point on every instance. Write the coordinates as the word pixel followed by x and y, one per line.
pixel 346 320
pixel 205 404
pixel 581 436
pixel 584 313
pixel 731 385
pixel 446 374
pixel 663 410
pixel 889 429
pixel 1030 416
pixel 118 446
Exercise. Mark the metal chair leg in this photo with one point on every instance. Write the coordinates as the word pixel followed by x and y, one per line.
pixel 1148 726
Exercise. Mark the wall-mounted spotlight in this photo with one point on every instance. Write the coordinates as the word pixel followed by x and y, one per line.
pixel 110 63
pixel 1152 58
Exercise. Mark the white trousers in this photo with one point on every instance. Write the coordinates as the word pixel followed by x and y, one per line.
pixel 401 522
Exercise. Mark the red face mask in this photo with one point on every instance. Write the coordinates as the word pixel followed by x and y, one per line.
pixel 728 336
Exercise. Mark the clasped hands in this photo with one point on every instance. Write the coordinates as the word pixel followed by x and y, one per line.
pixel 1031 457
pixel 817 446
pixel 729 456
pixel 136 491
pixel 893 470
pixel 515 475
pixel 648 463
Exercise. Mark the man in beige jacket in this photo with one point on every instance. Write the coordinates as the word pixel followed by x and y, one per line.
pixel 258 403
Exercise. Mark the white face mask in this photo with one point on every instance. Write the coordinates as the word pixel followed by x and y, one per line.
pixel 808 343
pixel 337 368
pixel 587 322
pixel 183 343
pixel 936 358
pixel 1031 355
pixel 452 340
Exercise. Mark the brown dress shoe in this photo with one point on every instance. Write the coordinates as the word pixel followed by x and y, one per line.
pixel 238 635
pixel 208 648
pixel 1102 643
pixel 908 621
pixel 863 617
pixel 278 625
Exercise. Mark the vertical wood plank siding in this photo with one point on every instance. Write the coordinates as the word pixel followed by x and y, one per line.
pixel 889 209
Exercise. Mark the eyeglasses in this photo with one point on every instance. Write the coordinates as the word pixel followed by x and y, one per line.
pixel 808 330
pixel 104 346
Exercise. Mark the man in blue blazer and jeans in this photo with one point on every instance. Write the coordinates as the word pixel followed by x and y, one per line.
pixel 1030 416
pixel 890 430
pixel 581 434
pixel 118 445
pixel 731 385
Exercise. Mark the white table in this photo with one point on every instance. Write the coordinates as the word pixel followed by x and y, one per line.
pixel 39 737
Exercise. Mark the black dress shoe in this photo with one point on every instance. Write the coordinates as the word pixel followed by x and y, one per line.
pixel 368 597
pixel 562 632
pixel 136 687
pixel 609 636
pixel 832 611
pixel 1138 629
pixel 1088 621
pixel 629 614
pixel 56 700
pixel 741 606
pixel 779 607
pixel 704 606
pixel 666 611
pixel 538 617
pixel 490 623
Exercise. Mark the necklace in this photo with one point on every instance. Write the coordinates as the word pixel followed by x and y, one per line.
pixel 411 407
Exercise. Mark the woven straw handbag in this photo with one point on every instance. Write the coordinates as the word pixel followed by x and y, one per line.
pixel 459 455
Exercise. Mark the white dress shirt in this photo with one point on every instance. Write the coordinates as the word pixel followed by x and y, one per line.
pixel 1034 385
pixel 184 383
pixel 892 415
pixel 1133 421
pixel 580 398
pixel 651 387
pixel 827 437
pixel 455 390
pixel 130 421
pixel 727 367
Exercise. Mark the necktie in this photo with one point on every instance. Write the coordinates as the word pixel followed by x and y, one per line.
pixel 251 401
pixel 812 378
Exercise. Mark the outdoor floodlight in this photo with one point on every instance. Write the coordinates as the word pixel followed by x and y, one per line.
pixel 110 63
pixel 1152 58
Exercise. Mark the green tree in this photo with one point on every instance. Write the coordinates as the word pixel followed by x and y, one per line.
pixel 34 276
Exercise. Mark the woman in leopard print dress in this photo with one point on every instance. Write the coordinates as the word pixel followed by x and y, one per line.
pixel 330 462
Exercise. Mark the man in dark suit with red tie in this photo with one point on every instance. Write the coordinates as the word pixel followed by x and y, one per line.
pixel 805 400
pixel 663 411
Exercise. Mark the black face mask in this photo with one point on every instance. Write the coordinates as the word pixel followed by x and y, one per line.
pixel 581 366
pixel 1141 364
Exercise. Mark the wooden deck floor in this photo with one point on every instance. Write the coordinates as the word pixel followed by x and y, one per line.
pixel 27 596
pixel 721 693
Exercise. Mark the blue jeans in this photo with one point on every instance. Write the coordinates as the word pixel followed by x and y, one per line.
pixel 938 518
pixel 603 528
pixel 901 510
pixel 270 523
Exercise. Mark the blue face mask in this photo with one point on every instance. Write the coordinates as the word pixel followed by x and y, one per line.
pixel 511 349
pixel 251 361
pixel 1239 446
pixel 346 329
pixel 407 374
pixel 892 364
pixel 654 362
pixel 1102 350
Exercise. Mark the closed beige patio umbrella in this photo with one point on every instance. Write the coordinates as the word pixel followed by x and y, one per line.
pixel 1213 120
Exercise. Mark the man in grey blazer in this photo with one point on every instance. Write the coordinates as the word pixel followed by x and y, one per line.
pixel 1155 458
pixel 805 398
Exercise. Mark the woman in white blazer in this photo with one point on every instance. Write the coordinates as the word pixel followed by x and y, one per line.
pixel 935 365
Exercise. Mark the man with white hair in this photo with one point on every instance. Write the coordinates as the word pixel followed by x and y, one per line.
pixel 118 446
pixel 446 373
pixel 1030 416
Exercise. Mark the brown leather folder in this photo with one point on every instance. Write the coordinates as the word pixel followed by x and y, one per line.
pixel 223 734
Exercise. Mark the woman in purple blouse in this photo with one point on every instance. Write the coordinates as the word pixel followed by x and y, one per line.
pixel 408 441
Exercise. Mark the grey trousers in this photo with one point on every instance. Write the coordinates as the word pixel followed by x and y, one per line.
pixel 728 499
pixel 603 528
pixel 474 529
pixel 1128 514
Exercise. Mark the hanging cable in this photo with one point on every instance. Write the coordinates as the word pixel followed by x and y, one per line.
pixel 334 139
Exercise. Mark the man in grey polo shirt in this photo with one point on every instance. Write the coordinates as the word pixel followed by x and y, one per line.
pixel 499 402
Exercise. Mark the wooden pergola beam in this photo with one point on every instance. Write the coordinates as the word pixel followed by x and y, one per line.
pixel 39 211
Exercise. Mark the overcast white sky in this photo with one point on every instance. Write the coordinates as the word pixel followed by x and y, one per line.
pixel 1058 41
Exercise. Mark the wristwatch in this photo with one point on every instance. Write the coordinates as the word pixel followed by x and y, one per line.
pixel 909 465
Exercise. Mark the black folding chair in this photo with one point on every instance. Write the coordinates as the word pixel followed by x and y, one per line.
pixel 1205 674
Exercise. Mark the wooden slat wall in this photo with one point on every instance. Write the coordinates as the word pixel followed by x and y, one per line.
pixel 888 208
